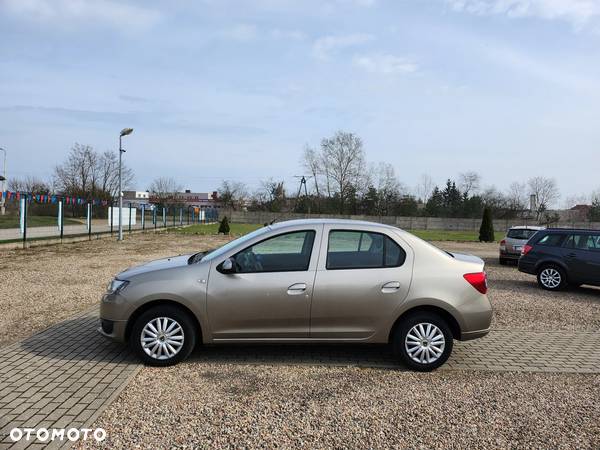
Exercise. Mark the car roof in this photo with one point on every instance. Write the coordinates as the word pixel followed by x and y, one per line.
pixel 300 222
pixel 526 227
pixel 572 230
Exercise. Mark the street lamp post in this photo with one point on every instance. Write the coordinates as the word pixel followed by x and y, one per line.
pixel 124 132
pixel 3 178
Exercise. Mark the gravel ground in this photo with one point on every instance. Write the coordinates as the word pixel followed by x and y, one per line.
pixel 42 286
pixel 247 406
pixel 45 285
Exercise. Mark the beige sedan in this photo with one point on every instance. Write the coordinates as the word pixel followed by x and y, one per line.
pixel 303 281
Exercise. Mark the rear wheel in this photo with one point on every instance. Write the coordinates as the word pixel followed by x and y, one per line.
pixel 552 278
pixel 163 336
pixel 423 341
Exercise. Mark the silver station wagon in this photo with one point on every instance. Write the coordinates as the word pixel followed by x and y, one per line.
pixel 303 281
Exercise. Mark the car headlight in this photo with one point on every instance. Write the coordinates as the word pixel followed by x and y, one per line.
pixel 116 285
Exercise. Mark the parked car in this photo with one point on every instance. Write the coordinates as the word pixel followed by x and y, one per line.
pixel 303 281
pixel 560 257
pixel 514 241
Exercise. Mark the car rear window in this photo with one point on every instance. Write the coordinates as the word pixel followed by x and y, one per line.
pixel 520 233
pixel 551 240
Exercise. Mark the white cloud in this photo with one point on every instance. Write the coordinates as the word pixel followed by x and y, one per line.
pixel 325 46
pixel 385 64
pixel 578 12
pixel 82 12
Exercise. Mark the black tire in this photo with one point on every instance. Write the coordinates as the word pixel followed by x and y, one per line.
pixel 172 313
pixel 551 277
pixel 400 340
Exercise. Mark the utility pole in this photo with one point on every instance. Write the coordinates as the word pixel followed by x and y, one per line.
pixel 124 132
pixel 302 183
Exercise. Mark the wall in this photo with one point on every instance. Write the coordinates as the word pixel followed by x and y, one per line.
pixel 408 223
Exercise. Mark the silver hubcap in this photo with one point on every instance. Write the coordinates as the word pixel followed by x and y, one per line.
pixel 162 338
pixel 425 343
pixel 550 278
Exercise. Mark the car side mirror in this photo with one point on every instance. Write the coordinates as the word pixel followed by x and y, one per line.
pixel 227 266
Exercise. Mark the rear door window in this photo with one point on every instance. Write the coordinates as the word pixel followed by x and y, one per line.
pixel 362 250
pixel 552 240
pixel 582 242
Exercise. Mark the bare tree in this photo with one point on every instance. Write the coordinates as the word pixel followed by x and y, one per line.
pixel 29 184
pixel 573 200
pixel 344 160
pixel 311 162
pixel 388 187
pixel 163 191
pixel 545 191
pixel 424 188
pixel 469 182
pixel 108 174
pixel 516 196
pixel 233 194
pixel 88 173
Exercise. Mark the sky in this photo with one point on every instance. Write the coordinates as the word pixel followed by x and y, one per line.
pixel 225 89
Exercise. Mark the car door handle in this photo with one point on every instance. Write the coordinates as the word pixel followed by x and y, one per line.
pixel 571 255
pixel 296 289
pixel 390 287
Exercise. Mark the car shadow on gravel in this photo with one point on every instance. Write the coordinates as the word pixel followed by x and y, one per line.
pixel 76 340
pixel 372 356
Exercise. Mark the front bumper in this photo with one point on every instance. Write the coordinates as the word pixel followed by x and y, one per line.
pixel 114 313
pixel 113 329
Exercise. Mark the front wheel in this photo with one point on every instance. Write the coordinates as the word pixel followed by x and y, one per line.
pixel 163 336
pixel 552 278
pixel 423 341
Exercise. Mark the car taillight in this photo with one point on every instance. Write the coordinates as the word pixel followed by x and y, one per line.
pixel 503 244
pixel 526 249
pixel 477 280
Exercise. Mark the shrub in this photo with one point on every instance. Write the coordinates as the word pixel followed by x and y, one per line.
pixel 486 231
pixel 224 226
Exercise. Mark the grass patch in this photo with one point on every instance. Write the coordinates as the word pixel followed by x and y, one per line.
pixel 236 229
pixel 239 229
pixel 11 221
pixel 448 235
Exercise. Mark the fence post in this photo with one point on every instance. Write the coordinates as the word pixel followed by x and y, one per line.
pixel 111 210
pixel 60 217
pixel 164 217
pixel 24 219
pixel 143 216
pixel 89 220
pixel 154 218
pixel 130 217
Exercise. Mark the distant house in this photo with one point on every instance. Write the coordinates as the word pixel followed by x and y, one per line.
pixel 580 212
pixel 136 198
pixel 201 200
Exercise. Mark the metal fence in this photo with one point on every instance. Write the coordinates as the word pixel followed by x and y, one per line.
pixel 33 217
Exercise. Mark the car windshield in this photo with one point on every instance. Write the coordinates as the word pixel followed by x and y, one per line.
pixel 520 233
pixel 221 250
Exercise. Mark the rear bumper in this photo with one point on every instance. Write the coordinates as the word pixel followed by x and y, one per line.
pixel 509 255
pixel 527 265
pixel 469 335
